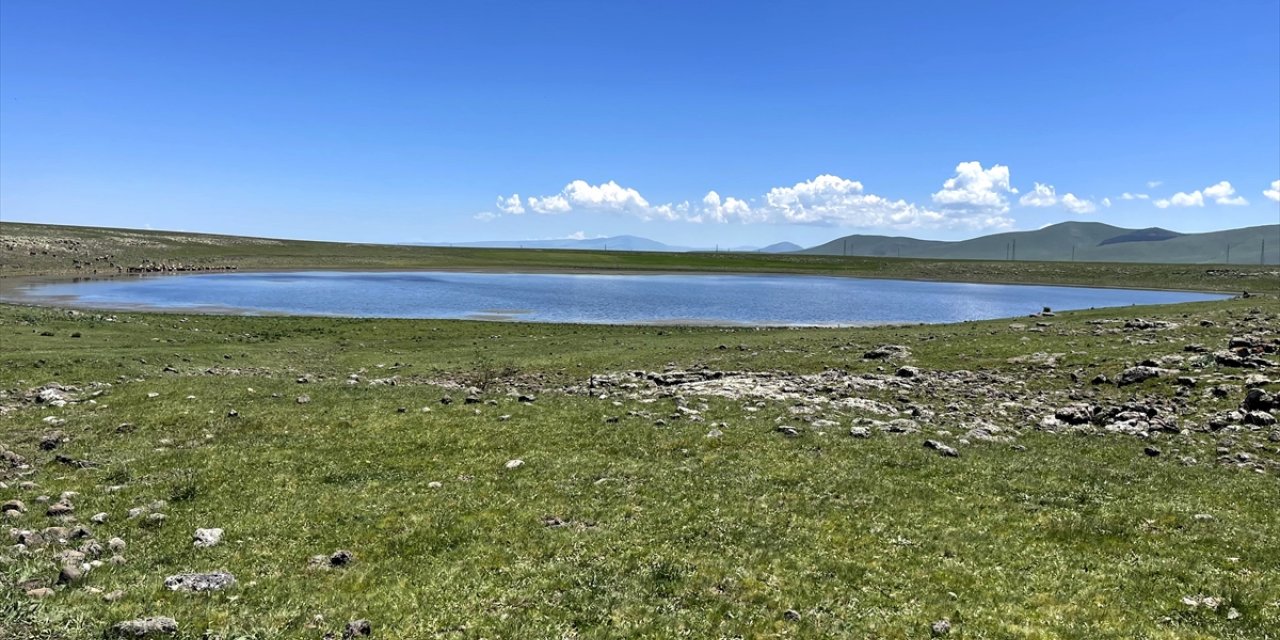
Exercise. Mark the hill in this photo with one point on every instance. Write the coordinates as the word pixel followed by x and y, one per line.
pixel 1080 242
pixel 780 247
pixel 612 243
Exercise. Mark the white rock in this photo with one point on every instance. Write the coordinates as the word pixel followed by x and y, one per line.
pixel 514 464
pixel 205 538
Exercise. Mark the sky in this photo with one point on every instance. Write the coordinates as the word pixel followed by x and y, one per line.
pixel 695 124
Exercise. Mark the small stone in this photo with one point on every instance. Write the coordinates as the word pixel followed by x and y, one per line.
pixel 60 508
pixel 117 560
pixel 70 574
pixel 1151 451
pixel 907 372
pixel 860 432
pixel 40 593
pixel 791 615
pixel 13 505
pixel 435 484
pixel 99 518
pixel 514 464
pixel 790 432
pixel 940 628
pixel 116 544
pixel 156 519
pixel 146 627
pixel 214 581
pixel 303 399
pixel 715 433
pixel 205 538
pixel 114 596
pixel 941 448
pixel 357 628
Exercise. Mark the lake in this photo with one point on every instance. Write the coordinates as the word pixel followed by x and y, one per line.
pixel 782 300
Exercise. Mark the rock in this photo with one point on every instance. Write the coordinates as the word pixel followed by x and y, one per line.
pixel 116 544
pixel 357 628
pixel 1101 378
pixel 907 372
pixel 99 518
pixel 525 398
pixel 16 506
pixel 715 433
pixel 40 593
pixel 791 615
pixel 1259 418
pixel 941 448
pixel 155 519
pixel 1151 451
pixel 435 484
pixel 303 399
pixel 1134 375
pixel 215 581
pixel 940 628
pixel 1075 414
pixel 52 440
pixel 70 574
pixel 790 432
pixel 114 596
pixel 341 558
pixel 1259 400
pixel 205 538
pixel 146 627
pixel 60 508
pixel 887 352
pixel 860 432
pixel 514 464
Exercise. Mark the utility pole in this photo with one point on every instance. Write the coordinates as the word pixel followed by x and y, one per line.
pixel 1262 255
pixel 846 247
pixel 1073 253
pixel 1228 253
pixel 1015 250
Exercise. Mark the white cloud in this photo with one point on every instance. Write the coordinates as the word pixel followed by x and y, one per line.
pixel 485 216
pixel 1193 199
pixel 1041 196
pixel 825 200
pixel 976 189
pixel 1274 192
pixel 1222 194
pixel 1154 183
pixel 1077 205
pixel 1134 196
pixel 510 205
pixel 1106 202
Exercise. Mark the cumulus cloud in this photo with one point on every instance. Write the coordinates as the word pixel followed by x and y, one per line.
pixel 1077 205
pixel 976 189
pixel 1193 199
pixel 1041 196
pixel 510 205
pixel 1222 194
pixel 1274 192
pixel 1106 202
pixel 485 216
pixel 827 200
pixel 1134 196
pixel 1154 183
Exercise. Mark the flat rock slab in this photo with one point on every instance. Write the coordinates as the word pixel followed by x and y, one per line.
pixel 146 627
pixel 215 581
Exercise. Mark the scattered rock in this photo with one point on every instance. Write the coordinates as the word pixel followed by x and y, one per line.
pixel 60 508
pixel 788 431
pixel 356 629
pixel 40 593
pixel 70 574
pixel 514 464
pixel 114 596
pixel 205 538
pixel 303 399
pixel 1151 451
pixel 1134 375
pixel 888 352
pixel 341 558
pixel 16 506
pixel 215 581
pixel 146 627
pixel 791 615
pixel 941 448
pixel 940 628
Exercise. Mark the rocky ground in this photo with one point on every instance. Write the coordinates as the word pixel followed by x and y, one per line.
pixel 121 505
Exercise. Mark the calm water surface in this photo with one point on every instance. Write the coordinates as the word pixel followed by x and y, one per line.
pixel 612 299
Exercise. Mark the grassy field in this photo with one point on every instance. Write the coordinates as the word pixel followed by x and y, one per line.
pixel 27 249
pixel 693 482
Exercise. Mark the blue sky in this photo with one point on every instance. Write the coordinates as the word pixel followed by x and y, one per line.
pixel 416 121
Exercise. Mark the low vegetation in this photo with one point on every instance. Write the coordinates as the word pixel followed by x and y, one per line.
pixel 1097 474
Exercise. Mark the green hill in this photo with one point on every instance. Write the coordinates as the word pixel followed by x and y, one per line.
pixel 1079 241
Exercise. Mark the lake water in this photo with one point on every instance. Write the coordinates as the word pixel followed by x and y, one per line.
pixel 596 299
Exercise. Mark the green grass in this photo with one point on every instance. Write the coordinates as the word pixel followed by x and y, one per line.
pixel 669 533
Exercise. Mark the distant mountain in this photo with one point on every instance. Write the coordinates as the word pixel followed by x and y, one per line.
pixel 780 247
pixel 1081 241
pixel 614 243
